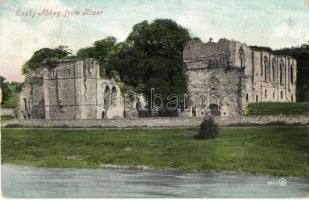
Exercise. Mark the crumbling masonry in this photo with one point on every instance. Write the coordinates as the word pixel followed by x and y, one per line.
pixel 223 78
pixel 72 90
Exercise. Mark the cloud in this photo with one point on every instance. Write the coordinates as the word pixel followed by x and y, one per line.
pixel 257 25
pixel 19 39
pixel 289 32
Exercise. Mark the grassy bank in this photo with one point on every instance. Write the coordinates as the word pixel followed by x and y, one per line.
pixel 275 151
pixel 276 108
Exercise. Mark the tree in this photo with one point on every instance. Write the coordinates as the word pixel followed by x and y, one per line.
pixel 100 51
pixel 87 52
pixel 152 56
pixel 46 56
pixel 4 89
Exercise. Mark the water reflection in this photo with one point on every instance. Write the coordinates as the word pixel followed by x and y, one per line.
pixel 30 182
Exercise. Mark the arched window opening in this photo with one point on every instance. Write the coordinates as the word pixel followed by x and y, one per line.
pixel 193 112
pixel 280 74
pixel 256 98
pixel 106 98
pixel 25 103
pixel 114 96
pixel 247 97
pixel 274 70
pixel 292 74
pixel 242 57
pixel 265 94
pixel 281 94
pixel 214 109
pixel 261 66
pixel 273 95
pixel 266 68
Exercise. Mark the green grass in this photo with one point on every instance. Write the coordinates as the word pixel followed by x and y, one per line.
pixel 276 151
pixel 276 108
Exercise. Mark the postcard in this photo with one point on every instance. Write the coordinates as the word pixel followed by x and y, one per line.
pixel 154 99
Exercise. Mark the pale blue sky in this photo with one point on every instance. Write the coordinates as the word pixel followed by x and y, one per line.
pixel 274 23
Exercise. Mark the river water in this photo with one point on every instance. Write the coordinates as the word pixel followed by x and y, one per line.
pixel 32 182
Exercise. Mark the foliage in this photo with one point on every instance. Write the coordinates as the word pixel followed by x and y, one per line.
pixel 8 93
pixel 276 151
pixel 47 57
pixel 4 89
pixel 208 129
pixel 100 51
pixel 114 74
pixel 277 108
pixel 152 56
pixel 125 89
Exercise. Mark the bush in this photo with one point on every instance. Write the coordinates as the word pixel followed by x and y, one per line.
pixel 208 129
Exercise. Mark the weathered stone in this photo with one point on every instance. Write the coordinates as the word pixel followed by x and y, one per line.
pixel 224 77
pixel 72 90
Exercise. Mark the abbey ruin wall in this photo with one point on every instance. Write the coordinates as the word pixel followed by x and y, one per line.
pixel 72 90
pixel 236 74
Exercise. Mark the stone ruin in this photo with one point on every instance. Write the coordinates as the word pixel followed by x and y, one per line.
pixel 72 90
pixel 223 78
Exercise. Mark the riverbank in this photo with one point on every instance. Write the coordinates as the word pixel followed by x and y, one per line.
pixel 279 151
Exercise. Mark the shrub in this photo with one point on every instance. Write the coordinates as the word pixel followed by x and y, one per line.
pixel 208 129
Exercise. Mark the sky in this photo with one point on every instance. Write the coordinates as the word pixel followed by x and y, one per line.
pixel 273 23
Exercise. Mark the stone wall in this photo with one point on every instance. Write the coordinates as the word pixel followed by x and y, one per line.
pixel 161 122
pixel 71 90
pixel 236 74
pixel 7 111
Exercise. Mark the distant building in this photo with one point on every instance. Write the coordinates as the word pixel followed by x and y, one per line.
pixel 225 76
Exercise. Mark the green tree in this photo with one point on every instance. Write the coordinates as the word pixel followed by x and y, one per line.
pixel 100 51
pixel 4 89
pixel 46 56
pixel 152 56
